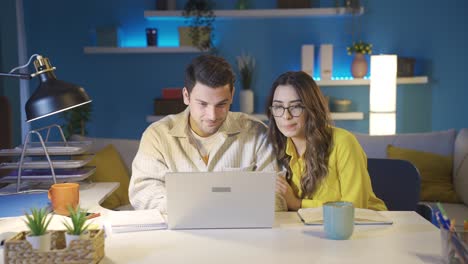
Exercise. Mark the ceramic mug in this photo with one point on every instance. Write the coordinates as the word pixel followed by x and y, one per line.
pixel 63 195
pixel 338 220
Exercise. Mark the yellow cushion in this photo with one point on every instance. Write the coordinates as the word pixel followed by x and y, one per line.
pixel 111 168
pixel 435 171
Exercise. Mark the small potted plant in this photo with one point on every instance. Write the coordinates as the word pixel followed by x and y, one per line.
pixel 78 227
pixel 76 119
pixel 200 17
pixel 359 66
pixel 37 222
pixel 246 67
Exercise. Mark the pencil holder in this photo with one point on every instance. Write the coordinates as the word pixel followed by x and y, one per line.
pixel 89 250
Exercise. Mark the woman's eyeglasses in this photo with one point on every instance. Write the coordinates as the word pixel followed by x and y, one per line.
pixel 294 110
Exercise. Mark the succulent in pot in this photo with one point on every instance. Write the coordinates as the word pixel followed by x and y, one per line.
pixel 38 222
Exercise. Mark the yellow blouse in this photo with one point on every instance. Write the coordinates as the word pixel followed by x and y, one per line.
pixel 347 179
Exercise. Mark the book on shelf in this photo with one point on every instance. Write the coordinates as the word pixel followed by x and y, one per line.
pixel 137 220
pixel 314 216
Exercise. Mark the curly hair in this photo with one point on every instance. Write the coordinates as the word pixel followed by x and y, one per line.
pixel 318 130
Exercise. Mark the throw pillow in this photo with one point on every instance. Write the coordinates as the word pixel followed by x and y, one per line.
pixel 461 179
pixel 111 168
pixel 435 171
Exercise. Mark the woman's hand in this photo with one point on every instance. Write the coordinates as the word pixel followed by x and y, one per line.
pixel 285 190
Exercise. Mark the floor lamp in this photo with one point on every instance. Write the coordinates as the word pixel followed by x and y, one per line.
pixel 382 95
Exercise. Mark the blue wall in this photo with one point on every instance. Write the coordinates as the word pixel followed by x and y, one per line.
pixel 9 87
pixel 123 85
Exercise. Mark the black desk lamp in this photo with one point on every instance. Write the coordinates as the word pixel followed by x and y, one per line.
pixel 53 95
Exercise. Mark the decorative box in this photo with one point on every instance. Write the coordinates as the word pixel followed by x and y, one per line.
pixel 168 106
pixel 90 250
pixel 405 67
pixel 172 93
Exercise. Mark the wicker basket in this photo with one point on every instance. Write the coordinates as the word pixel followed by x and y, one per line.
pixel 90 250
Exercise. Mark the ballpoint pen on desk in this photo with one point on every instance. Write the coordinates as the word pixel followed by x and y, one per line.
pixel 443 223
pixel 444 218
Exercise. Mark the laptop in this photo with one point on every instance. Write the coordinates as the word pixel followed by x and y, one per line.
pixel 230 199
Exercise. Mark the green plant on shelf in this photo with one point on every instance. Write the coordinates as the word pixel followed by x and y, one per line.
pixel 200 17
pixel 359 47
pixel 246 67
pixel 76 119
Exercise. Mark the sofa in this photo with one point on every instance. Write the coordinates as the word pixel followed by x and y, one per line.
pixel 446 143
pixel 449 143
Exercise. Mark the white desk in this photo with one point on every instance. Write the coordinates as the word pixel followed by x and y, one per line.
pixel 92 195
pixel 411 239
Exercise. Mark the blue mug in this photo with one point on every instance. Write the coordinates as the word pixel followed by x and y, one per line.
pixel 338 220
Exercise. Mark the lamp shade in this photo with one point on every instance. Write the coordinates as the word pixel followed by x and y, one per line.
pixel 54 96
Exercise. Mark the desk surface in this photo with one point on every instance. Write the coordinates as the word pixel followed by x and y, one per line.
pixel 411 239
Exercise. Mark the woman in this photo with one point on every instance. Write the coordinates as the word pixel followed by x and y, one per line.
pixel 323 163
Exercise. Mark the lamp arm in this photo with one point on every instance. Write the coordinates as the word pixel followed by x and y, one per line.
pixel 23 76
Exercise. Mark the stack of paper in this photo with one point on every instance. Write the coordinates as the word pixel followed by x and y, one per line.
pixel 314 216
pixel 133 221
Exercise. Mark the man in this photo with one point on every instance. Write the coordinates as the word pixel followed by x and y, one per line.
pixel 205 137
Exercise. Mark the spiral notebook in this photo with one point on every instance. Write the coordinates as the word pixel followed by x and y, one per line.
pixel 137 220
pixel 314 216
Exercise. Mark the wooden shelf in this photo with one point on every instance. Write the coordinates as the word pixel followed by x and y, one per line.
pixel 260 13
pixel 263 117
pixel 122 50
pixel 357 82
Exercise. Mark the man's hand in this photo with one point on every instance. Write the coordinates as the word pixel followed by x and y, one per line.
pixel 285 190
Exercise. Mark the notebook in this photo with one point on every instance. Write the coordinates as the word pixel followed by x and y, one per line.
pixel 314 216
pixel 229 199
pixel 137 220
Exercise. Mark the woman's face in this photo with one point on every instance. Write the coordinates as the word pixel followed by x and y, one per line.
pixel 292 122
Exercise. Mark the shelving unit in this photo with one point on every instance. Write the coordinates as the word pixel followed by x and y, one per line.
pixel 263 117
pixel 135 50
pixel 360 82
pixel 222 14
pixel 260 13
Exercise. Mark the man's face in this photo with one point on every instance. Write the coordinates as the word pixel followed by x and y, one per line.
pixel 208 107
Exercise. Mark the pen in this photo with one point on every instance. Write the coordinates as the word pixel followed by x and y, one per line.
pixel 442 222
pixel 94 215
pixel 443 215
pixel 441 209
